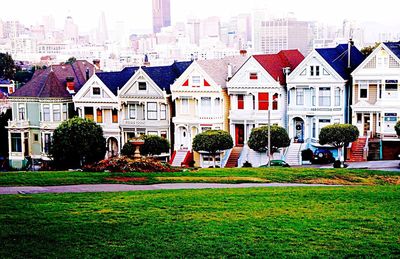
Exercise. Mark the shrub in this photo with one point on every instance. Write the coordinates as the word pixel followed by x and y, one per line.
pixel 258 140
pixel 128 150
pixel 397 128
pixel 306 154
pixel 247 164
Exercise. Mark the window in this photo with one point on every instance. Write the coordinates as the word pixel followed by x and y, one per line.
pixel 275 102
pixel 163 112
pixel 263 101
pixel 196 80
pixel 46 142
pixel 240 102
pixel 64 111
pixel 217 103
pixel 314 128
pixel 89 113
pixel 311 70
pixel 313 98
pixel 154 133
pixel 142 86
pixel 56 112
pixel 99 116
pixel 46 112
pixel 16 144
pixel 325 73
pixel 363 91
pixel 96 90
pixel 324 96
pixel 323 123
pixel 185 106
pixel 163 134
pixel 21 111
pixel 359 118
pixel 114 115
pixel 391 85
pixel 299 96
pixel 132 111
pixel 206 105
pixel 36 137
pixel 253 76
pixel 316 70
pixel 152 111
pixel 337 96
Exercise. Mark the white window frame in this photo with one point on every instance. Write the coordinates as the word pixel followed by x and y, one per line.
pixel 196 80
pixel 132 111
pixel 21 111
pixel 297 96
pixel 152 114
pixel 57 111
pixel 185 106
pixel 337 97
pixel 96 87
pixel 363 86
pixel 145 84
pixel 327 97
pixel 163 111
pixel 44 114
pixel 206 110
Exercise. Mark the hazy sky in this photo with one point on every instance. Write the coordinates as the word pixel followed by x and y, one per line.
pixel 137 13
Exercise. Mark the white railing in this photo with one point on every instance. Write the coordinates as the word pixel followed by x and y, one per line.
pixel 366 148
pixel 243 155
pixel 226 157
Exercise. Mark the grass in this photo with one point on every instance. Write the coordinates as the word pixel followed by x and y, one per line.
pixel 356 221
pixel 234 175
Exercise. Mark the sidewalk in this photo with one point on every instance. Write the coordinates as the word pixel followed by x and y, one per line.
pixel 125 187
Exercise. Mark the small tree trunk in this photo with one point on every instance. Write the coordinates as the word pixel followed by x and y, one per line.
pixel 214 159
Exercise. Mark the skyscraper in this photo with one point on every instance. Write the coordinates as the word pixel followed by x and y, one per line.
pixel 102 32
pixel 161 14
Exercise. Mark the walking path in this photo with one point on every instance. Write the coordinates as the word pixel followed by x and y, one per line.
pixel 126 187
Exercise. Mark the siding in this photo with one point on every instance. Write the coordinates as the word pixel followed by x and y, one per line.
pixel 355 94
pixel 227 106
pixel 372 94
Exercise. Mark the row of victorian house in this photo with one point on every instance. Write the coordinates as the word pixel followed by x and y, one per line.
pixel 236 94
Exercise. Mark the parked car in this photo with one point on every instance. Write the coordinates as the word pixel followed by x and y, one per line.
pixel 322 156
pixel 277 163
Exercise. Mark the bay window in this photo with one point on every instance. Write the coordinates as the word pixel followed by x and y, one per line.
pixel 325 96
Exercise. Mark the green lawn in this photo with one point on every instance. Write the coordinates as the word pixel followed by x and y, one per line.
pixel 356 221
pixel 234 175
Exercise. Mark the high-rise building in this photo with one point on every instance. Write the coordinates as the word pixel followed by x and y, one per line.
pixel 161 14
pixel 193 31
pixel 272 35
pixel 70 30
pixel 102 32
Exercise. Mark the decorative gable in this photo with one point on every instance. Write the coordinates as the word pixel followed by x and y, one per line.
pixel 94 91
pixel 371 64
pixel 393 63
pixel 140 85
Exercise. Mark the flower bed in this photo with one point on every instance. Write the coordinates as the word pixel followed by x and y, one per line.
pixel 125 164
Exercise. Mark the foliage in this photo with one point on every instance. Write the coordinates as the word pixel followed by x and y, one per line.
pixel 77 141
pixel 247 164
pixel 71 60
pixel 128 150
pixel 306 154
pixel 366 51
pixel 213 142
pixel 126 164
pixel 312 222
pixel 23 76
pixel 397 128
pixel 4 118
pixel 154 145
pixel 338 135
pixel 7 66
pixel 258 140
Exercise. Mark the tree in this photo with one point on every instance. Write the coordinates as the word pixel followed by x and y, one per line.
pixel 71 60
pixel 258 140
pixel 154 145
pixel 338 135
pixel 397 128
pixel 77 141
pixel 213 142
pixel 369 49
pixel 7 66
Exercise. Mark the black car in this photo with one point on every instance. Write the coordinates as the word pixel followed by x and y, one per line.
pixel 322 156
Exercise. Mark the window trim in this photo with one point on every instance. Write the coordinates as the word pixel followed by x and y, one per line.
pixel 44 114
pixel 93 92
pixel 163 111
pixel 145 86
pixel 152 111
pixel 302 99
pixel 328 97
pixel 55 112
pixel 364 87
pixel 185 108
pixel 240 101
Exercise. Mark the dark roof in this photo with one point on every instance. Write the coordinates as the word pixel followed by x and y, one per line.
pixel 4 81
pixel 116 80
pixel 51 82
pixel 274 63
pixel 337 58
pixel 394 47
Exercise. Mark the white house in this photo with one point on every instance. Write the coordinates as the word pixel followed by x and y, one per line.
pixel 376 97
pixel 256 89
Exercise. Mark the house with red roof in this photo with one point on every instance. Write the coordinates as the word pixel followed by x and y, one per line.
pixel 40 106
pixel 257 89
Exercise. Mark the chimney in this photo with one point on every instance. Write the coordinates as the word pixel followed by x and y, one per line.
pixel 70 84
pixel 229 71
pixel 286 71
pixel 87 74
pixel 146 61
pixel 243 52
pixel 96 63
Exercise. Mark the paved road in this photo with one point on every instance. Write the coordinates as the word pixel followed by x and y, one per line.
pixel 126 187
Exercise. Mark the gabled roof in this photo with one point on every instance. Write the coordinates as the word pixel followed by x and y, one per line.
pixel 337 58
pixel 116 80
pixel 394 47
pixel 217 69
pixel 51 82
pixel 165 76
pixel 274 63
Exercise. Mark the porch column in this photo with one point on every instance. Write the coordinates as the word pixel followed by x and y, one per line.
pixel 245 132
pixel 232 132
pixel 9 143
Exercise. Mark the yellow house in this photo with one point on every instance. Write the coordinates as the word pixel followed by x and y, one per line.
pixel 201 103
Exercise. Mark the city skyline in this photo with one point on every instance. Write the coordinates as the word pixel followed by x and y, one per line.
pixel 139 17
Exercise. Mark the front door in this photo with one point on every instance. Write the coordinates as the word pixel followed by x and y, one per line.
pixel 367 120
pixel 299 130
pixel 239 134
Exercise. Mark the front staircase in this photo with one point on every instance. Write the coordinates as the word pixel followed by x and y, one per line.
pixel 356 152
pixel 293 154
pixel 179 156
pixel 234 157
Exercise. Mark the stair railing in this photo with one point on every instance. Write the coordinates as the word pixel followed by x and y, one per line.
pixel 243 155
pixel 366 148
pixel 226 157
